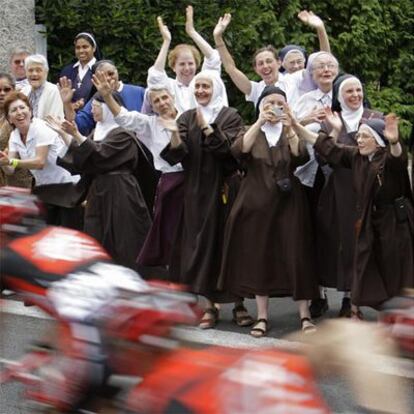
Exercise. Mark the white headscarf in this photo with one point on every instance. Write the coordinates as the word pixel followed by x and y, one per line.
pixel 375 134
pixel 351 117
pixel 272 132
pixel 105 126
pixel 218 98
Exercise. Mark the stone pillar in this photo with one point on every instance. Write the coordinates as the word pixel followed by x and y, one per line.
pixel 17 27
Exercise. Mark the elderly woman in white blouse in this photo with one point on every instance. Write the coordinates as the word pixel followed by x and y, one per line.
pixel 44 97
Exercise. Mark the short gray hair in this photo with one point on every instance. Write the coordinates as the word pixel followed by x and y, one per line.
pixel 36 59
pixel 19 50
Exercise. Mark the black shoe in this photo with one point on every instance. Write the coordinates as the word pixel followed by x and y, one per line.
pixel 345 311
pixel 318 307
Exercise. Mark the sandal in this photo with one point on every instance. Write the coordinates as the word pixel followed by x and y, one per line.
pixel 309 327
pixel 241 317
pixel 210 318
pixel 259 332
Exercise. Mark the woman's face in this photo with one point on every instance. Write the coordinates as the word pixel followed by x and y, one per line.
pixel 293 62
pixel 19 115
pixel 185 66
pixel 84 51
pixel 5 88
pixel 162 102
pixel 203 91
pixel 36 75
pixel 267 66
pixel 367 145
pixel 352 94
pixel 324 71
pixel 97 111
pixel 274 103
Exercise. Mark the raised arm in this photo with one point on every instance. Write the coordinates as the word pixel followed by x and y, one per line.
pixel 104 88
pixel 166 40
pixel 238 77
pixel 316 22
pixel 201 43
pixel 391 133
pixel 66 93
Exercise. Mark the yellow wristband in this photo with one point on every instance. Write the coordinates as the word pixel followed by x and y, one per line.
pixel 14 162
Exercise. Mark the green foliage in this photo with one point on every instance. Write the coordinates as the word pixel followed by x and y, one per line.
pixel 372 39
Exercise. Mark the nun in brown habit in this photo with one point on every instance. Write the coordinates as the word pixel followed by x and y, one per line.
pixel 268 247
pixel 383 262
pixel 201 142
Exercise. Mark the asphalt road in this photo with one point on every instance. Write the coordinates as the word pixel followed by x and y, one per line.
pixel 19 326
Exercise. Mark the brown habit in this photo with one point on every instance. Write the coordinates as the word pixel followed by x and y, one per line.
pixel 268 240
pixel 336 215
pixel 116 214
pixel 196 255
pixel 384 257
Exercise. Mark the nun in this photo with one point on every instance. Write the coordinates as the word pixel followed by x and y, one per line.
pixel 116 213
pixel 383 262
pixel 80 72
pixel 201 142
pixel 268 248
pixel 336 211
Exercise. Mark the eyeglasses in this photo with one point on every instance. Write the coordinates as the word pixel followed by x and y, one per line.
pixel 363 135
pixel 322 66
pixel 6 89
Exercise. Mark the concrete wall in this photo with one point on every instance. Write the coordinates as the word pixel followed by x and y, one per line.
pixel 17 27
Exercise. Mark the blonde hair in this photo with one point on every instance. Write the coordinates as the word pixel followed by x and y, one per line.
pixel 173 55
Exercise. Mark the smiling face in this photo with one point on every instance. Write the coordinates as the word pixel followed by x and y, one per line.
pixel 367 145
pixel 19 115
pixel 84 51
pixel 203 91
pixel 293 62
pixel 267 67
pixel 352 94
pixel 324 71
pixel 5 88
pixel 185 66
pixel 36 75
pixel 162 103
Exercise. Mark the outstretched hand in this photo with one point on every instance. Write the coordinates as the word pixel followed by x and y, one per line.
pixel 102 84
pixel 391 128
pixel 311 19
pixel 65 89
pixel 189 20
pixel 333 119
pixel 55 123
pixel 222 24
pixel 165 33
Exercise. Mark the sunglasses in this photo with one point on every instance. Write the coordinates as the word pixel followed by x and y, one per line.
pixel 7 89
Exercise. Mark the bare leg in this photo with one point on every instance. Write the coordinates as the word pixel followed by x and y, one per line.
pixel 260 328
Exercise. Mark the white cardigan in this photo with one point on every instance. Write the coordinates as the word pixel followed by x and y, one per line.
pixel 50 102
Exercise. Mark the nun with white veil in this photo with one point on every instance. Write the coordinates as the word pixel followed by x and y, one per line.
pixel 201 142
pixel 116 213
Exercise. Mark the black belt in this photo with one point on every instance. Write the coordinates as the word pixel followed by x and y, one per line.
pixel 119 172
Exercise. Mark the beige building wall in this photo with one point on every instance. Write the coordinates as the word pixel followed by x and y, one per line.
pixel 17 27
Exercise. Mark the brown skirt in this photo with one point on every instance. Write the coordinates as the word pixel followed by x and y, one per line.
pixel 167 209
